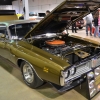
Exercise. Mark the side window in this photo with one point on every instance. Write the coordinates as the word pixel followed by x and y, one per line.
pixel 20 30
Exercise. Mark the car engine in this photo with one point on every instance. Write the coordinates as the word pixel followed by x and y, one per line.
pixel 66 48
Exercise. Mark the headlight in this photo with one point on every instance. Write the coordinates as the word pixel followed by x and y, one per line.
pixel 65 74
pixel 72 71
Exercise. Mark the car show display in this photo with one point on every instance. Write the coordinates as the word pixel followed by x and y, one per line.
pixel 44 54
pixel 93 78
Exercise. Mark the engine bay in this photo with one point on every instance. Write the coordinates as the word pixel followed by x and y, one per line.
pixel 69 48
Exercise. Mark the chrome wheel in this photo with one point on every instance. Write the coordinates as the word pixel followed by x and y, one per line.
pixel 28 73
pixel 30 76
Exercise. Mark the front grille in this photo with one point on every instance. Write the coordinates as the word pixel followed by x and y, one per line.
pixel 80 69
pixel 95 62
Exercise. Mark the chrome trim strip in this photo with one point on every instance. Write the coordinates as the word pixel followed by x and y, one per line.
pixel 62 81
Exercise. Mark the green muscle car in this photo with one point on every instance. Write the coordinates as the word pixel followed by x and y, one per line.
pixel 44 54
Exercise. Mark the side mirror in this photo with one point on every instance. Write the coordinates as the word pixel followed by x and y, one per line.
pixel 2 35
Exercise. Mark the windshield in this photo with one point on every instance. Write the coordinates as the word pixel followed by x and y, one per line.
pixel 19 30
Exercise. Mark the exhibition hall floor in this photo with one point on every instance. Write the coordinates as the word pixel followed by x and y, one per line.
pixel 12 86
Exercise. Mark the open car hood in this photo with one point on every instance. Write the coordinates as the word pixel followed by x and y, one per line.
pixel 68 12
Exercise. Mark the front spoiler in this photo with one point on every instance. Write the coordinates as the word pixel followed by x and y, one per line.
pixel 67 87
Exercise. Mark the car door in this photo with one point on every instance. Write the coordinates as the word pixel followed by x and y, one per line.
pixel 6 44
pixel 3 41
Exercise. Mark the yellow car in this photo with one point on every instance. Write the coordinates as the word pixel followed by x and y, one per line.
pixel 19 15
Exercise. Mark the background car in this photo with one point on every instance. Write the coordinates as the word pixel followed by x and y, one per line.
pixel 80 24
pixel 36 16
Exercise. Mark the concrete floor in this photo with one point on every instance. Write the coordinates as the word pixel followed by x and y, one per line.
pixel 12 86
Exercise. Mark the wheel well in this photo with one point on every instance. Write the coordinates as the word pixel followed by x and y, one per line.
pixel 19 62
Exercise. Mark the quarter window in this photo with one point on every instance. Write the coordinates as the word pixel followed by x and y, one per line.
pixel 3 30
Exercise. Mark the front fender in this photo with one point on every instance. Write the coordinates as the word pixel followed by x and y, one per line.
pixel 46 69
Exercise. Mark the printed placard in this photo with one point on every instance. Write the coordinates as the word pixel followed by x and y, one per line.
pixel 93 79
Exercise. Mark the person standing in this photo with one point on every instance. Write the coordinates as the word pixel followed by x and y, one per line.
pixel 88 22
pixel 74 28
pixel 99 21
pixel 96 32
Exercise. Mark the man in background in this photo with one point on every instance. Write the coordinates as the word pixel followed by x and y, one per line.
pixel 47 12
pixel 88 23
pixel 74 29
pixel 21 17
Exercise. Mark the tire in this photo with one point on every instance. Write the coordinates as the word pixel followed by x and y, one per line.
pixel 80 27
pixel 29 75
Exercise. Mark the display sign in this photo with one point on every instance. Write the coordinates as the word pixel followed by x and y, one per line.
pixel 94 62
pixel 93 79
